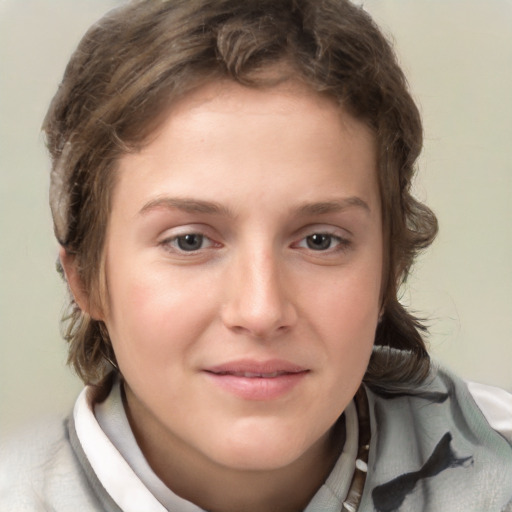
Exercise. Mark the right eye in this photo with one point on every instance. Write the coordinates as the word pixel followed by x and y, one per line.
pixel 189 242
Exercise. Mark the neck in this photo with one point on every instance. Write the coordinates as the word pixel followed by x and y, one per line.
pixel 219 488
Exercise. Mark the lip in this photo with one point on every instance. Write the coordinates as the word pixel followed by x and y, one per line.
pixel 257 380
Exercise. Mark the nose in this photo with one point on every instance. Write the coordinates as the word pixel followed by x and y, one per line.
pixel 258 296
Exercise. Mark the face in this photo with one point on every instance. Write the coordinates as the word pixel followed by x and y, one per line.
pixel 243 263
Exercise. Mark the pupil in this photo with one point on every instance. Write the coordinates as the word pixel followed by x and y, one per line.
pixel 190 242
pixel 319 242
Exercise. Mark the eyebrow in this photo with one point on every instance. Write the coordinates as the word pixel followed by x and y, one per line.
pixel 337 205
pixel 213 208
pixel 186 205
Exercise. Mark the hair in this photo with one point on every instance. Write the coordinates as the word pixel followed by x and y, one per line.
pixel 141 57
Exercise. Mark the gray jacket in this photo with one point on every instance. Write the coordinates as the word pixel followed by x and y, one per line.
pixel 431 450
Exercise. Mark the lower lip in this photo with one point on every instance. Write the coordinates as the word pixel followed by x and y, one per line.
pixel 258 388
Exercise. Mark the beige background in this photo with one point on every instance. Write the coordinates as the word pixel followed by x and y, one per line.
pixel 458 56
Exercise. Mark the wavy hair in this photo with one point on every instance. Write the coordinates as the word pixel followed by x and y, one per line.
pixel 132 64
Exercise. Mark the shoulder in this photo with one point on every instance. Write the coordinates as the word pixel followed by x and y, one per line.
pixel 39 470
pixel 496 406
pixel 27 460
pixel 480 404
pixel 34 446
pixel 445 434
pixel 483 407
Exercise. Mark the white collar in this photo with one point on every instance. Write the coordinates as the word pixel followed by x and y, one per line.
pixel 112 470
pixel 111 448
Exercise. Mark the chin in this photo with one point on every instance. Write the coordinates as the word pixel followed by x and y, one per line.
pixel 258 458
pixel 261 448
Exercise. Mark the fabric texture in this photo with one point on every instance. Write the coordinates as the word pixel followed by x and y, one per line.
pixel 111 418
pixel 149 493
pixel 40 471
pixel 432 449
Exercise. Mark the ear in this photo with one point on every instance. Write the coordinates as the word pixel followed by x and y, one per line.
pixel 76 285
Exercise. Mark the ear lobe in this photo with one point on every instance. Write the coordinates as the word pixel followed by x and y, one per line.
pixel 76 285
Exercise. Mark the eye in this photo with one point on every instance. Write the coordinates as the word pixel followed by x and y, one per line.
pixel 320 241
pixel 188 242
pixel 323 242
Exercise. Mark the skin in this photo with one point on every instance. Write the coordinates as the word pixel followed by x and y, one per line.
pixel 261 175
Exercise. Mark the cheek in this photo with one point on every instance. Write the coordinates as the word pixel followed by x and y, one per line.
pixel 154 316
pixel 346 314
pixel 349 302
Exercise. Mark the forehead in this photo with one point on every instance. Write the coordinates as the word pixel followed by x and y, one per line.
pixel 291 99
pixel 223 140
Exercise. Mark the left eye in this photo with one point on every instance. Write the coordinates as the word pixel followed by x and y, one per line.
pixel 320 241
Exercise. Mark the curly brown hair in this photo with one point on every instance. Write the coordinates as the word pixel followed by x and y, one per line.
pixel 144 55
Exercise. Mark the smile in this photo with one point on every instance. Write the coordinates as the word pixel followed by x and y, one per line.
pixel 258 381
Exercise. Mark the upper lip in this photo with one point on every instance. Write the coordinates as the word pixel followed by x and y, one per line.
pixel 251 368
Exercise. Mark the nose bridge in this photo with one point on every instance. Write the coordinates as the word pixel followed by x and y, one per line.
pixel 258 299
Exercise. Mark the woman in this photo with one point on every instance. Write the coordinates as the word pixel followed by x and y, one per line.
pixel 231 192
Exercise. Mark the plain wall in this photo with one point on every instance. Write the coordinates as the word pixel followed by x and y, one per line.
pixel 458 57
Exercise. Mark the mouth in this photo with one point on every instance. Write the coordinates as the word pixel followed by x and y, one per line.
pixel 254 375
pixel 259 381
